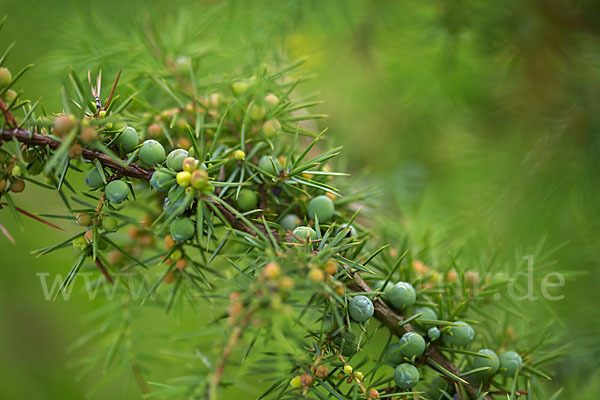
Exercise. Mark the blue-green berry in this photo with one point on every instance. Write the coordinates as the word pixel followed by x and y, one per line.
pixel 93 179
pixel 152 152
pixel 289 222
pixel 510 363
pixel 161 181
pixel 360 308
pixel 492 362
pixel 304 232
pixel 128 139
pixel 400 295
pixel 247 200
pixel 321 207
pixel 428 313
pixel 116 191
pixel 266 164
pixel 410 344
pixel 406 376
pixel 460 334
pixel 350 230
pixel 433 333
pixel 175 159
pixel 182 229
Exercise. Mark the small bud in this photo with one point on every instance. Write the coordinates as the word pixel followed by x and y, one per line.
pixel 472 279
pixel 451 276
pixel 322 372
pixel 257 113
pixel 359 375
pixel 102 114
pixel 239 155
pixel 286 284
pixel 63 125
pixel 89 236
pixel 272 271
pixel 272 99
pixel 80 244
pixel 154 131
pixel 75 151
pixel 5 77
pixel 18 186
pixel 169 277
pixel 331 267
pixel 306 380
pixel 10 96
pixel 176 255
pixel 84 219
pixel 373 394
pixel 190 164
pixel 295 382
pixel 348 369
pixel 239 88
pixel 199 179
pixel 3 185
pixel 316 275
pixel 88 135
pixel 169 243
pixel 181 264
pixel 184 178
pixel 271 128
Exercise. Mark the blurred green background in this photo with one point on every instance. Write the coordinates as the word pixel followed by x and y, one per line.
pixel 479 121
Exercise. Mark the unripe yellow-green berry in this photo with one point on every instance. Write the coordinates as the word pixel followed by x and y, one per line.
pixel 272 99
pixel 239 88
pixel 257 112
pixel 184 178
pixel 5 77
pixel 79 243
pixel 239 155
pixel 10 96
pixel 199 179
pixel 271 128
pixel 84 219
pixel 295 382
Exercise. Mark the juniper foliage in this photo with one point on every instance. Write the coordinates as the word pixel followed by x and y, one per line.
pixel 218 230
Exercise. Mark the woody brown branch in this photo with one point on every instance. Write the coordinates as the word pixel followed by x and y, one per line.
pixel 132 170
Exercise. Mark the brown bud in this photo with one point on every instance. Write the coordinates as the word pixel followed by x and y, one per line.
pixel 373 394
pixel 88 135
pixel 169 243
pixel 181 264
pixel 169 277
pixel 272 271
pixel 331 267
pixel 63 125
pixel 306 380
pixel 75 151
pixel 89 236
pixel 18 186
pixel 154 131
pixel 322 372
